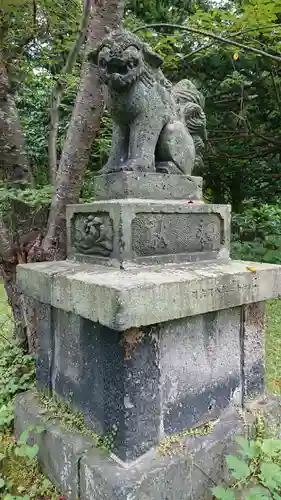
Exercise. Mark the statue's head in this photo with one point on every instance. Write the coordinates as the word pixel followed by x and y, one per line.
pixel 121 59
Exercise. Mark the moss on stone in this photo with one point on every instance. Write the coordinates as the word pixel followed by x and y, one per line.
pixel 74 421
pixel 170 445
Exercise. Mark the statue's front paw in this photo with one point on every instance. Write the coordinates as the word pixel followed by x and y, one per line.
pixel 108 168
pixel 138 164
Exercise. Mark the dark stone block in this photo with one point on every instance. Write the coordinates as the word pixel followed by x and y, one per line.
pixel 88 369
pixel 200 367
pixel 140 384
pixel 45 348
pixel 141 406
pixel 199 408
pixel 112 379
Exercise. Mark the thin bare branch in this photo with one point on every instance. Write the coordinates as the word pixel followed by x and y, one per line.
pixel 227 41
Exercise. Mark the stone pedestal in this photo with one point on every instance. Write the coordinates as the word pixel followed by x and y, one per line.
pixel 148 325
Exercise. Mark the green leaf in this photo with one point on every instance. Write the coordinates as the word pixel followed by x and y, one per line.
pixel 271 447
pixel 46 485
pixel 239 468
pixel 223 494
pixel 276 496
pixel 31 451
pixel 2 482
pixel 23 437
pixel 20 451
pixel 249 448
pixel 270 475
pixel 258 493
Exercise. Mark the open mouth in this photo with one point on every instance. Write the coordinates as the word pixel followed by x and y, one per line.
pixel 118 66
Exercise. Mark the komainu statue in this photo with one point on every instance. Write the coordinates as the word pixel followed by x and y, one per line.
pixel 156 126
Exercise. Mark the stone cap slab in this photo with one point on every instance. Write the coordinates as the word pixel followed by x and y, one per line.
pixel 122 299
pixel 147 186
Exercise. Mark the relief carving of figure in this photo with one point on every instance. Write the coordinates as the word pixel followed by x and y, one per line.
pixel 95 236
pixel 156 126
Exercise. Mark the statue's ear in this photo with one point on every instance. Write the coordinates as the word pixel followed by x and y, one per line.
pixel 93 56
pixel 152 58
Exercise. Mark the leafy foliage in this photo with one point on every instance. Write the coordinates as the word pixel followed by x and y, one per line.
pixel 20 477
pixel 257 234
pixel 33 100
pixel 16 375
pixel 242 95
pixel 257 473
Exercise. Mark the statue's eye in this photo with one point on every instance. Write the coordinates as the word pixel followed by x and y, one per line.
pixel 102 63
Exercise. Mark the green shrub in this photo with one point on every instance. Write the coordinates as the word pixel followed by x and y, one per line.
pixel 17 374
pixel 256 474
pixel 256 234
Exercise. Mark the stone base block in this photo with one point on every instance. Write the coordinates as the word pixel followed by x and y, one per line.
pixel 126 232
pixel 184 469
pixel 60 451
pixel 147 186
pixel 149 353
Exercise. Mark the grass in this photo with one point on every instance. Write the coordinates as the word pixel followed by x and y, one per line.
pixel 23 477
pixel 273 346
pixel 6 324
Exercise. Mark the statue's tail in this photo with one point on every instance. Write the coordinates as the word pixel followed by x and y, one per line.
pixel 191 108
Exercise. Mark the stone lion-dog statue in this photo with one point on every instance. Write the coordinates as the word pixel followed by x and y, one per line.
pixel 157 126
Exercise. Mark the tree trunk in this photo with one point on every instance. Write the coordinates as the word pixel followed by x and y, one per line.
pixel 84 125
pixel 15 170
pixel 57 91
pixel 85 122
pixel 14 164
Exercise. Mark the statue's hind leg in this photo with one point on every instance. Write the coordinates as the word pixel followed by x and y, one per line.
pixel 175 151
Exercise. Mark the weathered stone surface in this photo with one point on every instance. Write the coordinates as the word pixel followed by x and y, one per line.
pixel 185 473
pixel 200 367
pixel 126 232
pixel 150 186
pixel 112 379
pixel 253 345
pixel 188 470
pixel 45 348
pixel 156 126
pixel 60 451
pixel 145 382
pixel 125 299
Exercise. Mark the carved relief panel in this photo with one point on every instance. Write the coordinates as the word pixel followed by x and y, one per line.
pixel 92 234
